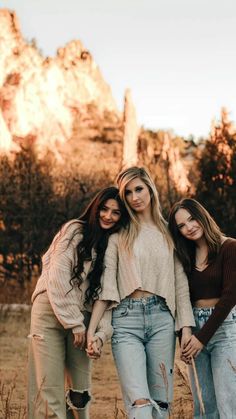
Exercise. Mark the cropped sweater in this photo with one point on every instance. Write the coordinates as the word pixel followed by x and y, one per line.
pixel 152 267
pixel 67 301
pixel 217 280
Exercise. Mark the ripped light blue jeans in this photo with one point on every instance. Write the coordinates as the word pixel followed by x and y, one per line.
pixel 143 345
pixel 216 368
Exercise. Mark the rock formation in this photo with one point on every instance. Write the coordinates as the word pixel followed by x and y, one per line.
pixel 176 170
pixel 40 96
pixel 62 104
pixel 131 131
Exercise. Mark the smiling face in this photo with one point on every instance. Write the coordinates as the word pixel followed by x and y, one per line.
pixel 188 226
pixel 137 195
pixel 109 214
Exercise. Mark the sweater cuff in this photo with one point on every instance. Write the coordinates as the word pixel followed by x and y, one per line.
pixel 187 323
pixel 102 336
pixel 201 337
pixel 78 329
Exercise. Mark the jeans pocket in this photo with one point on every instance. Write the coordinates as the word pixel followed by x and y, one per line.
pixel 163 306
pixel 120 312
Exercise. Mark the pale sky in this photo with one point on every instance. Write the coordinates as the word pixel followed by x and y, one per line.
pixel 178 57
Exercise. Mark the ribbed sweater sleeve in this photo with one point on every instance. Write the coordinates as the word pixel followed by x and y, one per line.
pixel 184 313
pixel 109 284
pixel 228 297
pixel 62 296
pixel 104 329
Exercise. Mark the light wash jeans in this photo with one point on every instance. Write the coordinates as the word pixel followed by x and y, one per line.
pixel 143 345
pixel 216 368
pixel 51 354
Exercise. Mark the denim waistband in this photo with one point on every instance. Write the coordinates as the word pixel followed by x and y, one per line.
pixel 147 301
pixel 207 311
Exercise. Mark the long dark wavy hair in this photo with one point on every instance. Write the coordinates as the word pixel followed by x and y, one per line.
pixel 94 237
pixel 186 249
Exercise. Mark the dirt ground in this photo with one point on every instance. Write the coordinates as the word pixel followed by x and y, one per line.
pixel 107 403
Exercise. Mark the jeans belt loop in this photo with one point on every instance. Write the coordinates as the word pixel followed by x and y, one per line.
pixel 130 304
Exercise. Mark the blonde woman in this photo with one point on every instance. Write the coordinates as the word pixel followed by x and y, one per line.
pixel 151 289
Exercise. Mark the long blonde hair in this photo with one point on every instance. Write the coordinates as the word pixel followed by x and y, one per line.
pixel 129 234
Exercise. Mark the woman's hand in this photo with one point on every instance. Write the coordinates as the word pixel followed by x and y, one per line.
pixel 89 340
pixel 80 340
pixel 192 348
pixel 94 347
pixel 185 337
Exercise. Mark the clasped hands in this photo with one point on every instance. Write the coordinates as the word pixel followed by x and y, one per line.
pixel 190 346
pixel 91 343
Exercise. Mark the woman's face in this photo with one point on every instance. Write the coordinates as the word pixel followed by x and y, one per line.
pixel 188 226
pixel 137 195
pixel 109 214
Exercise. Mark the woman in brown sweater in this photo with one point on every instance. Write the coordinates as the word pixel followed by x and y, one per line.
pixel 209 260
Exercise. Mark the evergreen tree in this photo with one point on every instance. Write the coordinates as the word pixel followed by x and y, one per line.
pixel 27 209
pixel 216 188
pixel 36 198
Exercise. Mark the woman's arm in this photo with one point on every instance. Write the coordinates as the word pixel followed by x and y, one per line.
pixel 99 308
pixel 228 296
pixel 109 294
pixel 95 340
pixel 58 265
pixel 184 311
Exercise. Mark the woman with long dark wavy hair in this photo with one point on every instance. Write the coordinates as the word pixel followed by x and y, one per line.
pixel 62 303
pixel 209 260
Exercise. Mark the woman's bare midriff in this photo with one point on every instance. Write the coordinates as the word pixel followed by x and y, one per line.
pixel 208 302
pixel 140 294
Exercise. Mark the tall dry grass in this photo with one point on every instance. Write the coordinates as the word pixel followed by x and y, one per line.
pixel 9 408
pixel 107 403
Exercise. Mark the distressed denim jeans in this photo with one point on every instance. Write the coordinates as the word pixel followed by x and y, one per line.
pixel 216 368
pixel 143 346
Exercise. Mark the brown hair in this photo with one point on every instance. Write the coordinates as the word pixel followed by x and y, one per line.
pixel 186 249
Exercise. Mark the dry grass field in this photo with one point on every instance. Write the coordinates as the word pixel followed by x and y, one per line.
pixel 107 403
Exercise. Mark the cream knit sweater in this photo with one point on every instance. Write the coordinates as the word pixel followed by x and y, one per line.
pixel 57 266
pixel 152 267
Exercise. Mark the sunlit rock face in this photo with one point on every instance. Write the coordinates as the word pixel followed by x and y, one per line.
pixel 41 96
pixel 176 168
pixel 5 135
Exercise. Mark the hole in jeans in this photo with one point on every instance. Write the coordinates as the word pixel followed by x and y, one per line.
pixel 76 399
pixel 36 336
pixel 162 405
pixel 141 402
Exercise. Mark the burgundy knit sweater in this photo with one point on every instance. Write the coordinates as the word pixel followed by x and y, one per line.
pixel 217 280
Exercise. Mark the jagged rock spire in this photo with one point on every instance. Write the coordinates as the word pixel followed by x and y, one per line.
pixel 131 132
pixel 175 167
